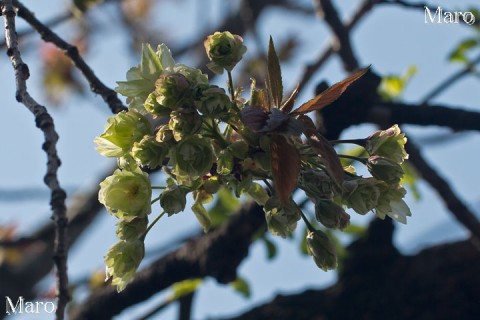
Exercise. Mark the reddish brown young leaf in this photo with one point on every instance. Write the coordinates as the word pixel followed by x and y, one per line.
pixel 325 150
pixel 285 160
pixel 287 106
pixel 330 95
pixel 274 74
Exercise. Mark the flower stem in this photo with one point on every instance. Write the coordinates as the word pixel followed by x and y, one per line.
pixel 230 86
pixel 360 142
pixel 151 225
pixel 304 218
pixel 362 160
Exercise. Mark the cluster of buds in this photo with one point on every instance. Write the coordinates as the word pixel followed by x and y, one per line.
pixel 206 139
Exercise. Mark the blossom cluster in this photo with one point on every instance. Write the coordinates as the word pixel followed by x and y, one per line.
pixel 206 139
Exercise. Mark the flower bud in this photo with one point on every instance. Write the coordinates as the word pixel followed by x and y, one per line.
pixel 149 152
pixel 316 184
pixel 385 169
pixel 154 108
pixel 164 134
pixel 184 123
pixel 193 75
pixel 192 157
pixel 120 132
pixel 122 261
pixel 224 50
pixel 132 230
pixel 172 90
pixel 214 103
pixel 388 143
pixel 322 249
pixel 281 218
pixel 239 149
pixel 173 199
pixel 362 194
pixel 126 194
pixel 331 215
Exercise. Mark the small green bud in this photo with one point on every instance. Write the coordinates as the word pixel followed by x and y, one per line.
pixel 214 103
pixel 155 108
pixel 192 157
pixel 126 193
pixel 316 184
pixel 281 219
pixel 120 132
pixel 385 169
pixel 224 50
pixel 172 90
pixel 322 249
pixel 362 194
pixel 331 215
pixel 132 230
pixel 164 134
pixel 388 143
pixel 184 123
pixel 194 76
pixel 173 199
pixel 122 261
pixel 239 149
pixel 149 152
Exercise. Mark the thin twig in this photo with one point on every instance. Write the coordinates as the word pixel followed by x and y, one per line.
pixel 341 42
pixel 97 86
pixel 312 68
pixel 451 80
pixel 452 201
pixel 43 121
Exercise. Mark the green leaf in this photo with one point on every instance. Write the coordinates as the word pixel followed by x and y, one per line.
pixel 459 54
pixel 274 75
pixel 185 287
pixel 241 286
pixel 271 248
pixel 392 86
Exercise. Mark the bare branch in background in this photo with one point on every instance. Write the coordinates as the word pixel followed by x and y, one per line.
pixel 97 86
pixel 43 121
pixel 341 42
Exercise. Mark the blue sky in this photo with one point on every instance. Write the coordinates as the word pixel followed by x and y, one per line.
pixel 390 38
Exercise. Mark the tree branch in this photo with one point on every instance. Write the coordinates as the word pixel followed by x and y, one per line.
pixel 341 39
pixel 312 68
pixel 460 211
pixel 424 115
pixel 43 121
pixel 97 86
